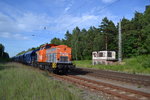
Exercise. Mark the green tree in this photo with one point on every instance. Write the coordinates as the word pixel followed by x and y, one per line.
pixel 89 40
pixel 1 50
pixel 22 52
pixel 75 42
pixel 56 41
pixel 109 30
pixel 68 38
pixel 3 55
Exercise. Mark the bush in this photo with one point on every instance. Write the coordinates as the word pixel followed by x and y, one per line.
pixel 146 62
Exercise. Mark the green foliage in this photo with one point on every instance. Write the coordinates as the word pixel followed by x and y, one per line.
pixel 56 41
pixel 1 50
pixel 20 82
pixel 136 37
pixel 109 32
pixel 146 62
pixel 22 52
pixel 4 56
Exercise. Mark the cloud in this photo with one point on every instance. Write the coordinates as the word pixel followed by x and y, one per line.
pixel 19 26
pixel 68 6
pixel 107 1
pixel 23 24
pixel 27 22
pixel 31 22
pixel 9 29
pixel 99 11
pixel 11 36
pixel 65 22
pixel 6 23
pixel 91 18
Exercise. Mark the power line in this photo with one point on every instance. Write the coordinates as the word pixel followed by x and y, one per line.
pixel 99 10
pixel 72 11
pixel 82 6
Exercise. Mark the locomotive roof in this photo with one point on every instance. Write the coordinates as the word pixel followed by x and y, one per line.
pixel 60 46
pixel 48 45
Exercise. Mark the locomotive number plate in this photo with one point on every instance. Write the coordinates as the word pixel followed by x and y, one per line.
pixel 54 65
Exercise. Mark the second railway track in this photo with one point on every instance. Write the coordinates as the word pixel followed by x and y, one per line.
pixel 120 92
pixel 123 77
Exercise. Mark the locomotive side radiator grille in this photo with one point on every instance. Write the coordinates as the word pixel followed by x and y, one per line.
pixel 63 58
pixel 51 57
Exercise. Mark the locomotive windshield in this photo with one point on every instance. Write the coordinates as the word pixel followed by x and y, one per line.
pixel 48 46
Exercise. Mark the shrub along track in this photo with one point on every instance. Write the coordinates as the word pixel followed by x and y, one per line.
pixel 118 76
pixel 123 93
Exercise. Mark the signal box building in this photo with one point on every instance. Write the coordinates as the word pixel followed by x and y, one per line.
pixel 103 57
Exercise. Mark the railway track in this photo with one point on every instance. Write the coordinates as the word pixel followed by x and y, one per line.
pixel 123 77
pixel 120 92
pixel 113 90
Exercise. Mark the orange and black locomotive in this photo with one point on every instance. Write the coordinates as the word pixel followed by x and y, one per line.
pixel 56 58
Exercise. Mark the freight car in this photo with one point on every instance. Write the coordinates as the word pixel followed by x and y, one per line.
pixel 56 58
pixel 30 57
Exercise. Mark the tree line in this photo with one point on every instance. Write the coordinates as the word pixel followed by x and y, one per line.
pixel 3 55
pixel 135 37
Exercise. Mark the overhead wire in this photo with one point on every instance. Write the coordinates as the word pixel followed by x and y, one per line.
pixel 82 5
pixel 99 10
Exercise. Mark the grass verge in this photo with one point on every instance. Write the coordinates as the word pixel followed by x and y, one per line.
pixel 131 65
pixel 20 82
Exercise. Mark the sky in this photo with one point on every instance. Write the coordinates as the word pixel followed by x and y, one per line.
pixel 29 23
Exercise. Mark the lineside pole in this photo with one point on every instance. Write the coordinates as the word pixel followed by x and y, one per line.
pixel 120 44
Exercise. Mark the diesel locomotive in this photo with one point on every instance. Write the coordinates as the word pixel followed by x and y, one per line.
pixel 56 58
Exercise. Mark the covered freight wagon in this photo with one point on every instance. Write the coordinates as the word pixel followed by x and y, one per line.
pixel 30 57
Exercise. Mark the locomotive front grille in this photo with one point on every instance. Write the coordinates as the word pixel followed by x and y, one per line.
pixel 63 58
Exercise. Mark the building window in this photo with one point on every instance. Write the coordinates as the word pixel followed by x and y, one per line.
pixel 95 54
pixel 101 54
pixel 109 54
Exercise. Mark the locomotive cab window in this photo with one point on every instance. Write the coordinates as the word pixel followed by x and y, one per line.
pixel 42 48
pixel 48 46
